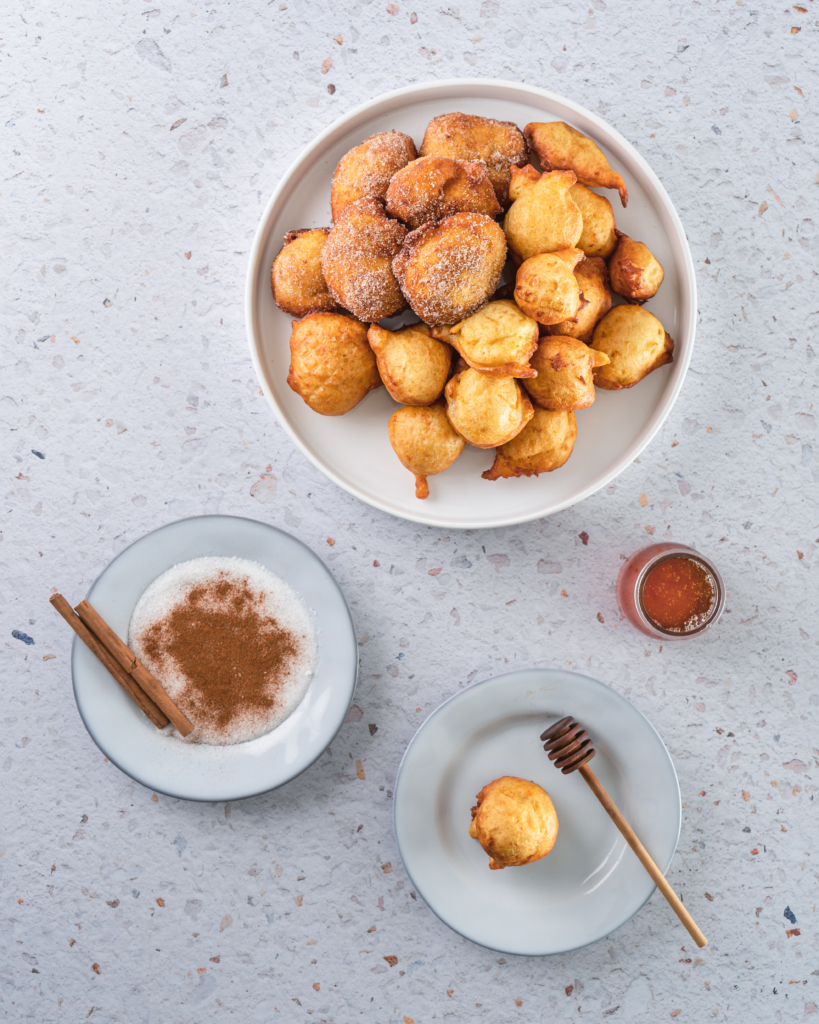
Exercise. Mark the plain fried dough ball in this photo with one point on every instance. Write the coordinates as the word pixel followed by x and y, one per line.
pixel 423 439
pixel 298 284
pixel 635 342
pixel 544 444
pixel 485 410
pixel 515 822
pixel 332 365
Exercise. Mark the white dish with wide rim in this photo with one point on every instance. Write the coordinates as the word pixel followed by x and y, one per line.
pixel 198 771
pixel 591 883
pixel 354 450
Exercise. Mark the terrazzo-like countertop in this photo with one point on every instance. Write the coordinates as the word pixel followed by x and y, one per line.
pixel 141 143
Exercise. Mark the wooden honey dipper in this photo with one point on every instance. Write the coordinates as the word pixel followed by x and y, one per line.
pixel 570 747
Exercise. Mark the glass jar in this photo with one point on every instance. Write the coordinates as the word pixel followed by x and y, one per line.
pixel 631 584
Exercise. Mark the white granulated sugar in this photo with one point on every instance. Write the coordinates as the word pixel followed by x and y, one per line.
pixel 273 599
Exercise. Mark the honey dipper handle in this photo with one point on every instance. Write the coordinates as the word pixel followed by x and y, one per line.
pixel 643 855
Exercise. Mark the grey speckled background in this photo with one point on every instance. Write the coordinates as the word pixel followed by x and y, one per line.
pixel 125 366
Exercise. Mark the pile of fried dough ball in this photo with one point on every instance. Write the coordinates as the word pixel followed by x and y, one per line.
pixel 495 368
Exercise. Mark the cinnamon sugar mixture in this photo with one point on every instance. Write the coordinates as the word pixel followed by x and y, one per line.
pixel 230 641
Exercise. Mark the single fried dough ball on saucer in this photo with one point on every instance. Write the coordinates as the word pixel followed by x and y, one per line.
pixel 486 410
pixel 448 270
pixel 592 278
pixel 546 288
pixel 357 261
pixel 635 342
pixel 564 378
pixel 365 172
pixel 413 365
pixel 598 237
pixel 544 444
pixel 635 273
pixel 514 821
pixel 500 144
pixel 558 145
pixel 423 439
pixel 498 339
pixel 543 216
pixel 332 365
pixel 434 187
pixel 298 284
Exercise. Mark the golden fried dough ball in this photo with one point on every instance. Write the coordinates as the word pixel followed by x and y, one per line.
pixel 413 365
pixel 558 145
pixel 635 342
pixel 500 144
pixel 448 270
pixel 598 236
pixel 298 285
pixel 514 821
pixel 564 374
pixel 424 441
pixel 332 366
pixel 434 187
pixel 498 339
pixel 357 261
pixel 486 410
pixel 592 278
pixel 543 216
pixel 546 288
pixel 635 273
pixel 543 445
pixel 365 171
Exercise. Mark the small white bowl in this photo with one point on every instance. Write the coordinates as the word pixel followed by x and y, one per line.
pixel 354 450
pixel 591 883
pixel 194 771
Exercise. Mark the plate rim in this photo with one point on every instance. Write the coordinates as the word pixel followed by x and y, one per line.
pixel 687 279
pixel 506 675
pixel 78 645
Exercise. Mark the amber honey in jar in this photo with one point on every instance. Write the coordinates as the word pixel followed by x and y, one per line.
pixel 670 591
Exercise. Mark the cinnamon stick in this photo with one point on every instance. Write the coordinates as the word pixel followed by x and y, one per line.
pixel 133 666
pixel 131 687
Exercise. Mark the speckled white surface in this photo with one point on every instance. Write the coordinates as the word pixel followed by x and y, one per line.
pixel 125 366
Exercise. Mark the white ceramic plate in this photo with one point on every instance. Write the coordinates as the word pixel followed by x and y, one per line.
pixel 197 771
pixel 354 450
pixel 591 882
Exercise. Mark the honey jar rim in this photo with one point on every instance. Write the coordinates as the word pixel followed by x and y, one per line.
pixel 680 551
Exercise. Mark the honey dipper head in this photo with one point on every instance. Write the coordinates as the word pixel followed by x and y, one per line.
pixel 568 745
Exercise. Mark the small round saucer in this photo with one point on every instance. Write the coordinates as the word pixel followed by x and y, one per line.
pixel 196 771
pixel 591 883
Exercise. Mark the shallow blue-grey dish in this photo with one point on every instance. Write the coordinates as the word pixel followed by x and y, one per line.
pixel 196 771
pixel 591 883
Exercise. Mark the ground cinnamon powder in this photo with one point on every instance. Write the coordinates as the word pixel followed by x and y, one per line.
pixel 233 654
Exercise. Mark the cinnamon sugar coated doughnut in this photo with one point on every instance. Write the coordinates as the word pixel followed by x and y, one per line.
pixel 449 270
pixel 357 261
pixel 365 171
pixel 434 187
pixel 500 144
